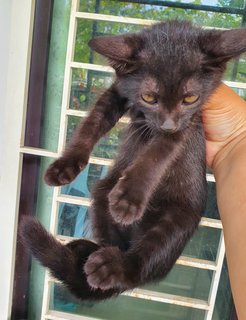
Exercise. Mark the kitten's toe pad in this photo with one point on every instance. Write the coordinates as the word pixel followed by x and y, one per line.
pixel 104 268
pixel 63 171
pixel 126 206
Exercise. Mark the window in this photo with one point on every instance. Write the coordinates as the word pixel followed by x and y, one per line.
pixel 72 77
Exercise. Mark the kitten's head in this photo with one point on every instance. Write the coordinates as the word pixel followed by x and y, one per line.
pixel 167 71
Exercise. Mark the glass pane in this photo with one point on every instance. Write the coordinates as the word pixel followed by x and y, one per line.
pixel 224 308
pixel 72 123
pixel 73 221
pixel 120 308
pixel 107 146
pixel 185 281
pixel 241 92
pixel 211 210
pixel 203 244
pixel 87 85
pixel 82 185
pixel 236 70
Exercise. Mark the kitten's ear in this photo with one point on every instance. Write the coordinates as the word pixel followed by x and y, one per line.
pixel 122 51
pixel 221 46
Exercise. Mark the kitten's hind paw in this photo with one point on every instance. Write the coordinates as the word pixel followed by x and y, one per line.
pixel 125 203
pixel 63 171
pixel 104 269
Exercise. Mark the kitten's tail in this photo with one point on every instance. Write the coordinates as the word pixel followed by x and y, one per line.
pixel 65 262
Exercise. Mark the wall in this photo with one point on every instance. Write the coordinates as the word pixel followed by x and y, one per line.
pixel 15 33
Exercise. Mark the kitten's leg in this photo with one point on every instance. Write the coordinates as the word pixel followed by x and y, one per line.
pixel 107 111
pixel 105 231
pixel 105 269
pixel 65 262
pixel 128 199
pixel 151 256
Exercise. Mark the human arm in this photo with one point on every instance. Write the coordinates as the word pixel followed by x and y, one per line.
pixel 224 120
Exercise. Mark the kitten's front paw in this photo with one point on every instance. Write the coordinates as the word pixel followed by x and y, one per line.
pixel 104 268
pixel 63 171
pixel 126 203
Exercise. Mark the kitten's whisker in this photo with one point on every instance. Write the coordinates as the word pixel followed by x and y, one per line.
pixel 145 128
pixel 152 132
pixel 149 133
pixel 137 130
pixel 134 132
pixel 145 133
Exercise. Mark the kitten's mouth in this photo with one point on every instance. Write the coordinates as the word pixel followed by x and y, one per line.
pixel 169 131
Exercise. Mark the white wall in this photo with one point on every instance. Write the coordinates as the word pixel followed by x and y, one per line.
pixel 5 18
pixel 16 18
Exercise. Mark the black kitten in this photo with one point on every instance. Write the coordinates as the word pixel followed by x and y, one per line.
pixel 150 203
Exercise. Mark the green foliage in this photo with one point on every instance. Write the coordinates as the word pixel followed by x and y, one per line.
pixel 231 3
pixel 87 29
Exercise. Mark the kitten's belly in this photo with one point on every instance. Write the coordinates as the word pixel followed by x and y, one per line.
pixel 174 182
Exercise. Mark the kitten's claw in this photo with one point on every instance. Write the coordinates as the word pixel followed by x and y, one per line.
pixel 126 205
pixel 63 171
pixel 104 268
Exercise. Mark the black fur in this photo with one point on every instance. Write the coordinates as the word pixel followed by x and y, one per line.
pixel 150 203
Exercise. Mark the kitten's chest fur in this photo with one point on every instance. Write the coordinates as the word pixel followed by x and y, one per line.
pixel 186 175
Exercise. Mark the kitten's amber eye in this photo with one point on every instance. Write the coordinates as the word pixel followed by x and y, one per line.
pixel 149 98
pixel 190 99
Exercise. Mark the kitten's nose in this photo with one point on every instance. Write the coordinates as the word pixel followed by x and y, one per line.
pixel 169 126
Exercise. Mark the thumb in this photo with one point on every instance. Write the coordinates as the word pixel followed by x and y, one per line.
pixel 224 115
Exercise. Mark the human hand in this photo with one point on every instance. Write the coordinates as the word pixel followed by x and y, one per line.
pixel 224 119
